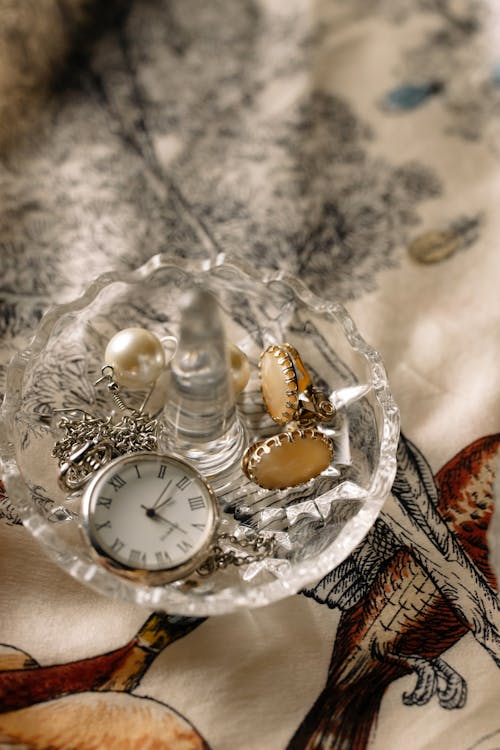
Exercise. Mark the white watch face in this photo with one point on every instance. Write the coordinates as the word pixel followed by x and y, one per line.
pixel 149 512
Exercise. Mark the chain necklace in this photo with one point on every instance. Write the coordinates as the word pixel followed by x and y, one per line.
pixel 91 442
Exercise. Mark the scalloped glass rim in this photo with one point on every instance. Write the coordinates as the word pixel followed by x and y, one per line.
pixel 234 597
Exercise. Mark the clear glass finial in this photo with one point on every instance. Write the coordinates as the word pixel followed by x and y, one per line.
pixel 201 421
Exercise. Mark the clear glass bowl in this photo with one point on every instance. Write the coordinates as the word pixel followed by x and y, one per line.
pixel 315 525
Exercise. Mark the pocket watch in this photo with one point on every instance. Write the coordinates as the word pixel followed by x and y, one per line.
pixel 149 517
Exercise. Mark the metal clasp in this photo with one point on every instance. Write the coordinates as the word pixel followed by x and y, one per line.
pixel 314 407
pixel 77 469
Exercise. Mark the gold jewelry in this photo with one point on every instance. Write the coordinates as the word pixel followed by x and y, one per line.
pixel 287 388
pixel 281 381
pixel 302 451
pixel 290 458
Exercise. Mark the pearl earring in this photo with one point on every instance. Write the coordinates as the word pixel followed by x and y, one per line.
pixel 134 358
pixel 137 357
pixel 240 368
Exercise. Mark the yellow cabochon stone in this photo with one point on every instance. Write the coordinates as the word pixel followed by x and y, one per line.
pixel 288 459
pixel 279 384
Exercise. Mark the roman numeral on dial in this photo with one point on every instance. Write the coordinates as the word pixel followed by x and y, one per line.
pixel 136 557
pixel 105 525
pixel 183 483
pixel 196 503
pixel 163 558
pixel 117 545
pixel 117 482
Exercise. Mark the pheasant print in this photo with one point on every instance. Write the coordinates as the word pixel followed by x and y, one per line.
pixel 401 622
pixel 88 705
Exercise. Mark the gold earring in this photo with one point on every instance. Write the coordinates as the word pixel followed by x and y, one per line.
pixel 287 389
pixel 302 451
pixel 287 459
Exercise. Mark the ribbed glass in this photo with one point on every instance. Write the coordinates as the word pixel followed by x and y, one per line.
pixel 315 525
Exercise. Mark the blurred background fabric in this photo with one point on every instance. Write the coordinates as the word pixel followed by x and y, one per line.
pixel 356 144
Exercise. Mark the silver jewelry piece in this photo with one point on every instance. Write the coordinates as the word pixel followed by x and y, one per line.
pixel 260 545
pixel 90 442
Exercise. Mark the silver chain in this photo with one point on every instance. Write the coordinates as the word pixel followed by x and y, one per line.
pixel 90 442
pixel 258 544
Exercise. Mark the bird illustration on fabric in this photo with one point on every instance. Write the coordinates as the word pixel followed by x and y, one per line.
pixel 395 619
pixel 87 704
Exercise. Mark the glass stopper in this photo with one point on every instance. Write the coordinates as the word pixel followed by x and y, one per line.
pixel 200 417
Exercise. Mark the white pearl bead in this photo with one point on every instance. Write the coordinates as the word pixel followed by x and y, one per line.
pixel 136 356
pixel 240 368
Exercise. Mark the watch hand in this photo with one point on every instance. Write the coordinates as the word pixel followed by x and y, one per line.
pixel 161 495
pixel 151 512
pixel 171 523
pixel 156 508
